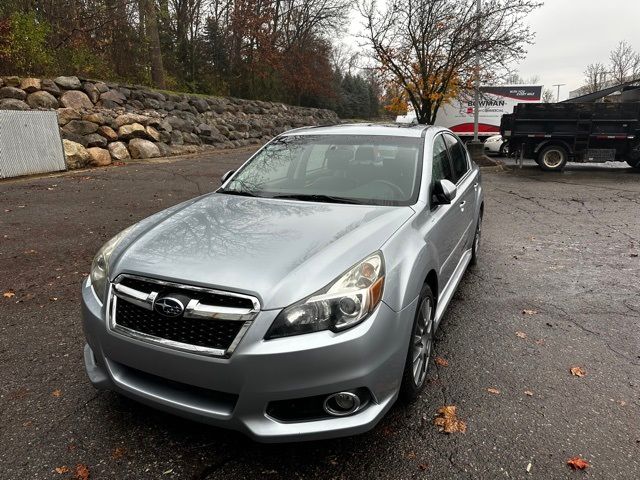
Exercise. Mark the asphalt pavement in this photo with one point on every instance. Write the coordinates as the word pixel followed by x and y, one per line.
pixel 557 287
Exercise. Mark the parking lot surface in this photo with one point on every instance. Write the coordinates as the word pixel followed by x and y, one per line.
pixel 557 287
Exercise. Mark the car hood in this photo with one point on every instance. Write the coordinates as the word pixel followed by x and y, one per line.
pixel 278 250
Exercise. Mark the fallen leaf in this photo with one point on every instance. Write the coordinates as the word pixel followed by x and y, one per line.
pixel 529 467
pixel 117 453
pixel 442 362
pixel 578 371
pixel 577 463
pixel 495 391
pixel 423 466
pixel 82 472
pixel 410 455
pixel 529 393
pixel 53 299
pixel 167 472
pixel 9 294
pixel 529 312
pixel 56 393
pixel 447 420
pixel 521 335
pixel 62 469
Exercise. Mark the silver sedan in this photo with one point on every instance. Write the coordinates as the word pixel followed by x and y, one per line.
pixel 298 301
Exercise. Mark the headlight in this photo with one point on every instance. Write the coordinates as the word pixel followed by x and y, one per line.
pixel 342 304
pixel 100 265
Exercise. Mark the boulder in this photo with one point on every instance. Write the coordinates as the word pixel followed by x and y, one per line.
pixel 109 104
pixel 165 150
pixel 177 138
pixel 129 118
pixel 135 130
pixel 50 86
pixel 12 81
pixel 12 92
pixel 30 85
pixel 99 157
pixel 112 96
pixel 95 117
pixel 107 132
pixel 151 103
pixel 68 83
pixel 65 115
pixel 75 154
pixel 75 99
pixel 102 87
pixel 92 92
pixel 119 152
pixel 42 99
pixel 95 140
pixel 13 104
pixel 152 134
pixel 80 127
pixel 140 148
pixel 74 137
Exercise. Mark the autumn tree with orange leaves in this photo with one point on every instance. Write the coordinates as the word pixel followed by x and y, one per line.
pixel 426 49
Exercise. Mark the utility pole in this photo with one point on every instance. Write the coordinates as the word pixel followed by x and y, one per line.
pixel 558 85
pixel 476 100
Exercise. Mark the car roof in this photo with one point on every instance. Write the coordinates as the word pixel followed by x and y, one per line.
pixel 391 129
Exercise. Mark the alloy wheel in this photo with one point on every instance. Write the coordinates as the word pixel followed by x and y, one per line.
pixel 422 342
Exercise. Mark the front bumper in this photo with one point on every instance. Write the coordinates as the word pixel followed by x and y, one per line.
pixel 234 392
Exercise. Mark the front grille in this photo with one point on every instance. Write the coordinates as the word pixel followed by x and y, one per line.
pixel 217 334
pixel 209 322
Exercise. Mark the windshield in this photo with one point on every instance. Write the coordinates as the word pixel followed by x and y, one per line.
pixel 369 169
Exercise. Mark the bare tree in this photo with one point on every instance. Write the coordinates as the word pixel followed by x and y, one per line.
pixel 625 62
pixel 595 77
pixel 428 47
pixel 153 37
pixel 548 96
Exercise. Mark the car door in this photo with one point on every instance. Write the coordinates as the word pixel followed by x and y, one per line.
pixel 446 230
pixel 466 180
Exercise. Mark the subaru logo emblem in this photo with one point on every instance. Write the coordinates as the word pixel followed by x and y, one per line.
pixel 169 307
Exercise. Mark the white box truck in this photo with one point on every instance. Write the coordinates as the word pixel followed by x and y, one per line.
pixel 494 102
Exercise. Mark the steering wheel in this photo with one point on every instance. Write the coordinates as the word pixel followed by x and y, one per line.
pixel 397 191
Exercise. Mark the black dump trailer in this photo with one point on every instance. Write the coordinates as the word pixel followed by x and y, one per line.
pixel 556 133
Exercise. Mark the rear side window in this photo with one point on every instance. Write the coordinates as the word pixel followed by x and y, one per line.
pixel 441 166
pixel 458 157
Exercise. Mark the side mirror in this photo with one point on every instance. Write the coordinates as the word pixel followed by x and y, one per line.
pixel 444 192
pixel 226 176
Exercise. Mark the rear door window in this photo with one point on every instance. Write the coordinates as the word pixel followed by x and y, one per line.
pixel 458 157
pixel 441 165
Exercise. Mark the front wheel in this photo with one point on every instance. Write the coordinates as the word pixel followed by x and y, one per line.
pixel 553 158
pixel 420 347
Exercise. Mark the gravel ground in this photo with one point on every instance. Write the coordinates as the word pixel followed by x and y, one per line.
pixel 562 246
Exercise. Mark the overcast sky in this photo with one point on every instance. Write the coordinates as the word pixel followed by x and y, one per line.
pixel 570 34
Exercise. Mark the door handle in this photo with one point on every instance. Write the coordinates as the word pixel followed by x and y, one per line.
pixel 475 185
pixel 463 203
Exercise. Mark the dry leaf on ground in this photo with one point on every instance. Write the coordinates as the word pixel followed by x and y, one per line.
pixel 56 393
pixel 578 371
pixel 423 466
pixel 447 421
pixel 577 463
pixel 495 391
pixel 529 393
pixel 521 335
pixel 62 469
pixel 527 311
pixel 442 362
pixel 117 453
pixel 9 294
pixel 82 472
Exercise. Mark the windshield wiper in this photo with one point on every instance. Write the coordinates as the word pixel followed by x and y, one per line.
pixel 308 197
pixel 243 193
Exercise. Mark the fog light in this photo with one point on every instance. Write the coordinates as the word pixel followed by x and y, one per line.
pixel 341 404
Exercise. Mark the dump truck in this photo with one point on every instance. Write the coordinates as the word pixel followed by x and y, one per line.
pixel 556 133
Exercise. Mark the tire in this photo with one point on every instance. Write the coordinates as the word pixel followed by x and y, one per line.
pixel 553 158
pixel 422 331
pixel 476 241
pixel 634 163
pixel 503 152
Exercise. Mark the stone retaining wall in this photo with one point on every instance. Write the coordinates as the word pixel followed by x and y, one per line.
pixel 101 123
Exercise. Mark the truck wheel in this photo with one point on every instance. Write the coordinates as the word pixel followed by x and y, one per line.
pixel 553 158
pixel 634 163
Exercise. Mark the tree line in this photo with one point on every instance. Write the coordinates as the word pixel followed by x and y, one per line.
pixel 623 66
pixel 277 50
